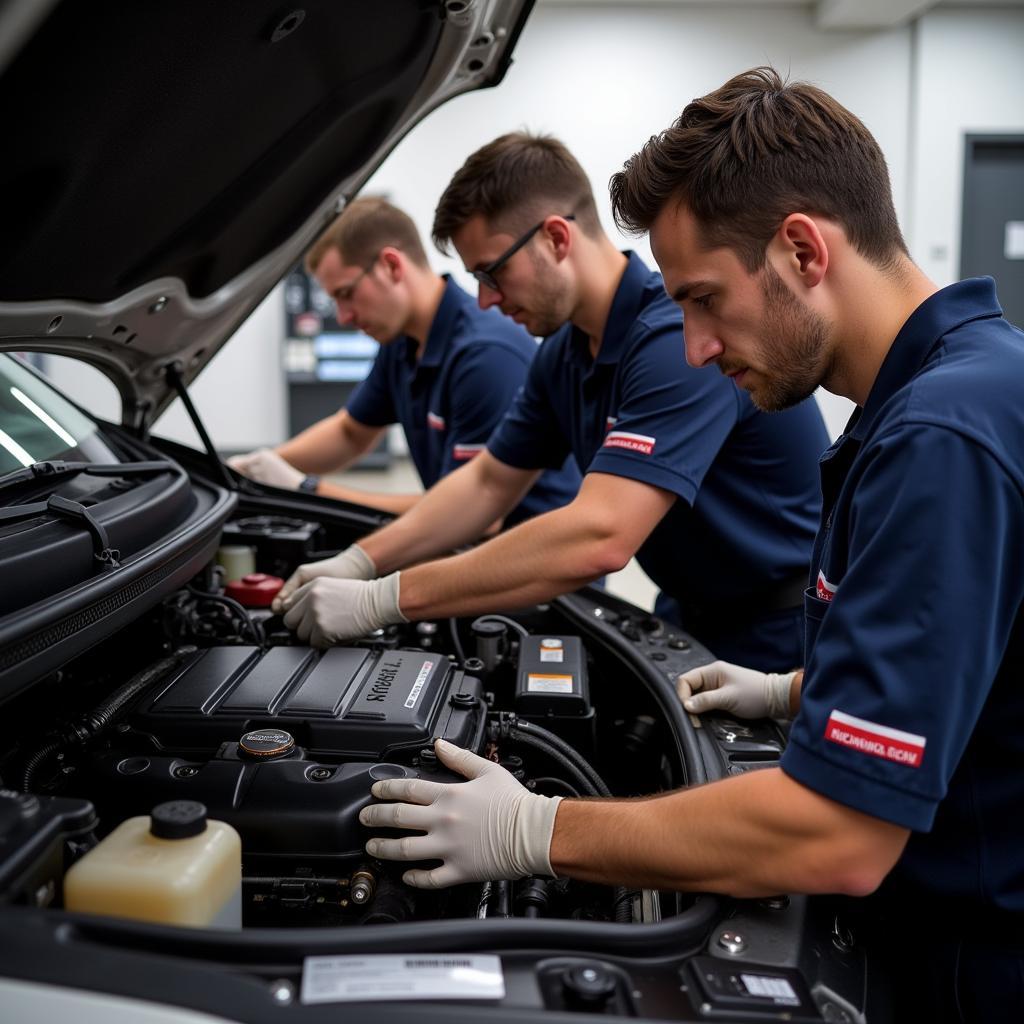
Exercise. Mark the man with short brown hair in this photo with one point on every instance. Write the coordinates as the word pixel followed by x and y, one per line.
pixel 771 217
pixel 446 371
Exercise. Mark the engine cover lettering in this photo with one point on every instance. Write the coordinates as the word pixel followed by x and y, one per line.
pixel 381 686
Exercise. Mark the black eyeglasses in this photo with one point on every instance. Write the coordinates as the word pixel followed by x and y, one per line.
pixel 486 275
pixel 346 292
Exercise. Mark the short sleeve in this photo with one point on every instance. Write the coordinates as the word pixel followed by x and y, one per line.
pixel 372 401
pixel 672 419
pixel 909 645
pixel 484 382
pixel 530 435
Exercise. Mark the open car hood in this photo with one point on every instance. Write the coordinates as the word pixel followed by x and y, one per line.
pixel 165 164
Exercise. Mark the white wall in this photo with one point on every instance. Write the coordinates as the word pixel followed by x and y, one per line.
pixel 605 77
pixel 969 79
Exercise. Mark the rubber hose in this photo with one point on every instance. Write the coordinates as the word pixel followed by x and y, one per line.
pixel 566 751
pixel 582 782
pixel 102 715
pixel 36 759
pixel 105 713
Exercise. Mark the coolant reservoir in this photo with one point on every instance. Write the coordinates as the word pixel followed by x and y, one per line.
pixel 174 867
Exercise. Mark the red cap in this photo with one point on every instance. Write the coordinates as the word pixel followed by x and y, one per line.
pixel 257 590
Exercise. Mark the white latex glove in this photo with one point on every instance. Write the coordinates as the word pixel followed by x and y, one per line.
pixel 351 564
pixel 267 467
pixel 744 692
pixel 325 611
pixel 486 829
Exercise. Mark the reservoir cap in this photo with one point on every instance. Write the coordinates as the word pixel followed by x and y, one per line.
pixel 178 819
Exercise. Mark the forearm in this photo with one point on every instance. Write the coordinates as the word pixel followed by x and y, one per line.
pixel 324 447
pixel 455 511
pixel 394 503
pixel 539 559
pixel 753 835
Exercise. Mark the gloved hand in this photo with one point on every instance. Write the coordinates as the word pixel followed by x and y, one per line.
pixel 740 691
pixel 326 611
pixel 351 564
pixel 488 828
pixel 267 467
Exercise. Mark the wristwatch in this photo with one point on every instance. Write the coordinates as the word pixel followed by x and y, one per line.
pixel 309 484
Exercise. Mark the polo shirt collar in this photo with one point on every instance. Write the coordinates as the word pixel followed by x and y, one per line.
pixel 947 309
pixel 626 306
pixel 442 328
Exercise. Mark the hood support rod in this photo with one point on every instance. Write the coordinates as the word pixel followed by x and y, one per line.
pixel 174 378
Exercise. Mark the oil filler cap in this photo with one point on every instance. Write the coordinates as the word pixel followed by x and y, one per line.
pixel 178 819
pixel 266 744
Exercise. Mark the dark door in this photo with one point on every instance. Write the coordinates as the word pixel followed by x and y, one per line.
pixel 992 235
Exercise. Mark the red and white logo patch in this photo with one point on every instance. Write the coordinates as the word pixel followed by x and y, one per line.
pixel 464 452
pixel 434 421
pixel 632 442
pixel 874 739
pixel 610 422
pixel 825 590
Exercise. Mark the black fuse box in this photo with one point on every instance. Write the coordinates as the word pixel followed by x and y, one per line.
pixel 552 678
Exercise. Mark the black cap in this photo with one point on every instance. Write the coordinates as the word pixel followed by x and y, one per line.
pixel 178 819
pixel 266 744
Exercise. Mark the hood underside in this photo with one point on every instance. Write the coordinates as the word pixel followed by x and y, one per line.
pixel 167 163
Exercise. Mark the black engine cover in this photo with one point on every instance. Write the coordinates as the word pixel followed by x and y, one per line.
pixel 349 703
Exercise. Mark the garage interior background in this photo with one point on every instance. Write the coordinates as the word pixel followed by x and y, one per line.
pixel 605 76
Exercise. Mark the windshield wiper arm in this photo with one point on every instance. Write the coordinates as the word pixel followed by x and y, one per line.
pixel 56 468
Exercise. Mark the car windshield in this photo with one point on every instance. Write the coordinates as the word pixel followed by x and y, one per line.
pixel 37 425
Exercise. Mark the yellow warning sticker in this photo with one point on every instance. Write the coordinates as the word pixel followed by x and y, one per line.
pixel 537 683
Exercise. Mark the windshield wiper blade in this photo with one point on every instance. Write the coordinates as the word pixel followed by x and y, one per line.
pixel 56 468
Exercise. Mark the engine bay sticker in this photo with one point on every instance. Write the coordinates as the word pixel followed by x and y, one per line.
pixel 347 979
pixel 778 990
pixel 536 683
pixel 558 655
pixel 414 693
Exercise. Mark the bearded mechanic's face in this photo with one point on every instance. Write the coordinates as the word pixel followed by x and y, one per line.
pixel 750 325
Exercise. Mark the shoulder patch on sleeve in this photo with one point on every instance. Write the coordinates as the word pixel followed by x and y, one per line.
pixel 632 442
pixel 464 452
pixel 876 740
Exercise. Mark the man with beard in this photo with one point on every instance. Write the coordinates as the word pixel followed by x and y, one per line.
pixel 446 370
pixel 769 204
pixel 717 500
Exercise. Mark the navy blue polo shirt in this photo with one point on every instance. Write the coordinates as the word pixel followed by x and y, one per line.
pixel 473 364
pixel 912 707
pixel 746 480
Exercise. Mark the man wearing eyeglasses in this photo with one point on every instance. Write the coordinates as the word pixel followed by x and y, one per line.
pixel 717 500
pixel 446 370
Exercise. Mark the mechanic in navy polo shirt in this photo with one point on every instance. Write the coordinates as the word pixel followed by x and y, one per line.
pixel 717 500
pixel 771 216
pixel 446 369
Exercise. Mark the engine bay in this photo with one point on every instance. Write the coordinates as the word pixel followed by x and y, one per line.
pixel 205 699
